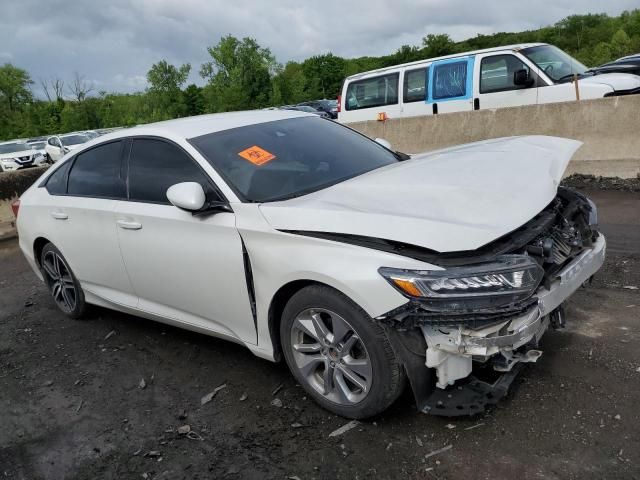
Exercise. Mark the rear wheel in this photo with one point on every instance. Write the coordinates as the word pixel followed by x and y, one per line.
pixel 62 283
pixel 339 354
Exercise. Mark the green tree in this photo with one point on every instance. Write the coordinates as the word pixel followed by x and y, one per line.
pixel 437 45
pixel 238 75
pixel 193 100
pixel 15 86
pixel 324 75
pixel 165 83
pixel 620 44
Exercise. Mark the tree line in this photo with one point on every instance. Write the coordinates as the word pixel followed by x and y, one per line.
pixel 241 74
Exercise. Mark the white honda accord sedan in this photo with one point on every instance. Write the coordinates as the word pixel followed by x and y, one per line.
pixel 302 239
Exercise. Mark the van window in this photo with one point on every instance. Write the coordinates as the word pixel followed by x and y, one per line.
pixel 450 80
pixel 373 92
pixel 496 73
pixel 415 85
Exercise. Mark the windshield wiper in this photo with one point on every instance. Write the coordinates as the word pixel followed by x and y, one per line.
pixel 570 76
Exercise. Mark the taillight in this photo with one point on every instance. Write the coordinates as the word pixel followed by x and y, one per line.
pixel 339 103
pixel 15 206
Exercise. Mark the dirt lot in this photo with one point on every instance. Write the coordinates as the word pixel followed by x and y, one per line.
pixel 73 407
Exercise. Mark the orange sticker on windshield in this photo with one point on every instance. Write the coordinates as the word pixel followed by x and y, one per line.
pixel 256 155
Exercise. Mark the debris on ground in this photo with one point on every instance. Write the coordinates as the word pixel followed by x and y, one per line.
pixel 209 396
pixel 276 402
pixel 110 334
pixel 243 397
pixel 28 303
pixel 277 389
pixel 182 415
pixel 153 454
pixel 47 383
pixel 297 425
pixel 630 287
pixel 142 385
pixel 474 426
pixel 345 428
pixel 184 429
pixel 79 406
pixel 418 441
pixel 439 451
pixel 450 426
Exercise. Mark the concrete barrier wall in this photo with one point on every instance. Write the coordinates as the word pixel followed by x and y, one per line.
pixel 12 185
pixel 609 128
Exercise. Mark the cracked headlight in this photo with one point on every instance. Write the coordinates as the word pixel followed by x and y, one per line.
pixel 508 279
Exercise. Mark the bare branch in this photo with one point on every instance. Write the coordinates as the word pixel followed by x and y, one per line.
pixel 80 87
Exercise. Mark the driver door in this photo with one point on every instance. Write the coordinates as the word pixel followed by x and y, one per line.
pixel 494 85
pixel 54 149
pixel 186 269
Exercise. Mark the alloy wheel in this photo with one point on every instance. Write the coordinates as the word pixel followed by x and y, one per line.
pixel 60 281
pixel 331 356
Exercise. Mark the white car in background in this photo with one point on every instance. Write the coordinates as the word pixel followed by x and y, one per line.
pixel 305 240
pixel 59 145
pixel 15 155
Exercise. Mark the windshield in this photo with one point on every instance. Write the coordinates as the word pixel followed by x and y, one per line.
pixel 37 145
pixel 13 147
pixel 74 139
pixel 554 62
pixel 287 158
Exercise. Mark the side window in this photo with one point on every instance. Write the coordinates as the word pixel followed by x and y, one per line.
pixel 155 165
pixel 52 141
pixel 97 173
pixel 415 85
pixel 496 73
pixel 373 92
pixel 57 182
pixel 450 80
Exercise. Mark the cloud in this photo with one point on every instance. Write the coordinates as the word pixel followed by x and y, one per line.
pixel 115 42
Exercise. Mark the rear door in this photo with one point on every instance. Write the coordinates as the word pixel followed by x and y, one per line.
pixel 80 219
pixel 451 85
pixel 371 97
pixel 494 85
pixel 184 268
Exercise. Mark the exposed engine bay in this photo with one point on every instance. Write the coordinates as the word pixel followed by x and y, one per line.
pixel 495 336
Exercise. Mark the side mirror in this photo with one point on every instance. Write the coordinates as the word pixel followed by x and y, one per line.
pixel 187 196
pixel 521 78
pixel 384 143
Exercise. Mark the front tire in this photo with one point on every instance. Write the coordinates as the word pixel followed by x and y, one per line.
pixel 341 357
pixel 62 283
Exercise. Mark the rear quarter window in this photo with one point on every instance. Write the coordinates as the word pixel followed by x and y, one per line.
pixel 372 92
pixel 57 181
pixel 98 173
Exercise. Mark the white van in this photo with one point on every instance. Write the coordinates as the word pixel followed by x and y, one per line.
pixel 493 78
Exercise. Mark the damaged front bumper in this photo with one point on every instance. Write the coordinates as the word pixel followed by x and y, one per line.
pixel 452 350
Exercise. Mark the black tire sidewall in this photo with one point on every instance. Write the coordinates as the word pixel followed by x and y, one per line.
pixel 80 307
pixel 387 381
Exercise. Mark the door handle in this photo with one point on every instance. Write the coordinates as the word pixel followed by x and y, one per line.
pixel 59 215
pixel 127 225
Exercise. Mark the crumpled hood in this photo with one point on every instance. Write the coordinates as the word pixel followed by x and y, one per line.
pixel 460 198
pixel 617 81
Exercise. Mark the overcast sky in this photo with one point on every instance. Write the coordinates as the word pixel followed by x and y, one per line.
pixel 114 42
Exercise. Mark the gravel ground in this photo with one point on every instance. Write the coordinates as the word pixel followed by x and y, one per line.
pixel 107 397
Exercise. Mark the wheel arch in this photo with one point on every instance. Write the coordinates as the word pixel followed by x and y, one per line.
pixel 277 305
pixel 38 246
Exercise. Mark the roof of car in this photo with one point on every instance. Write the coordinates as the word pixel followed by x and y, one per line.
pixel 190 127
pixel 514 47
